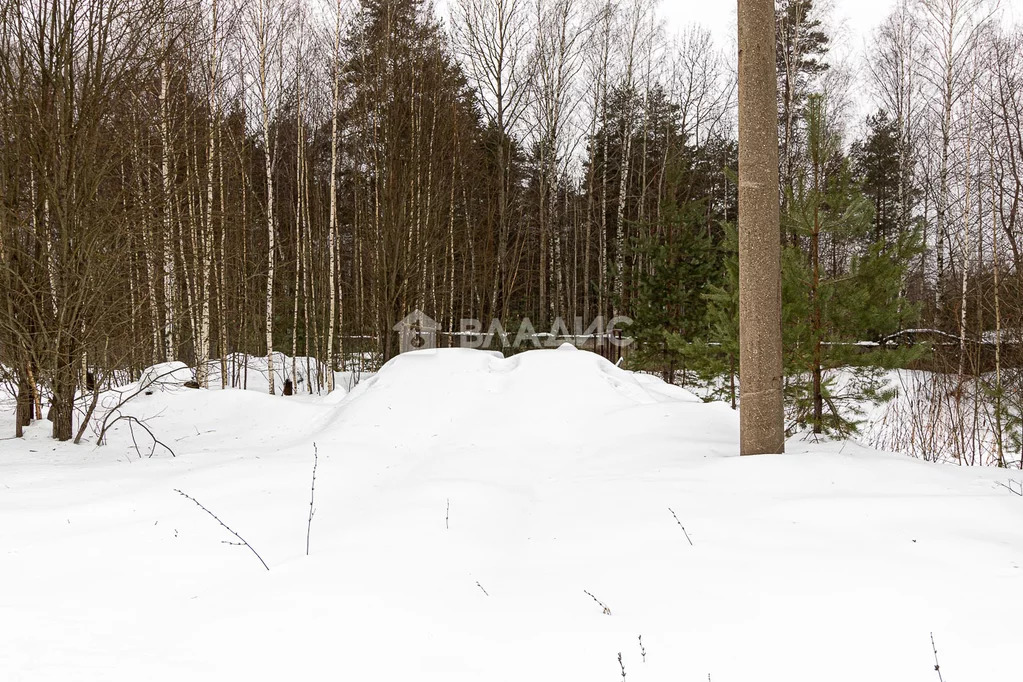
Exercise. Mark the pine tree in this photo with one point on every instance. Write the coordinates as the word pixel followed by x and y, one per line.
pixel 876 160
pixel 413 124
pixel 721 356
pixel 801 46
pixel 843 290
pixel 670 308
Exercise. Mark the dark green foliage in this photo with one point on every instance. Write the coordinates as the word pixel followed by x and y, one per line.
pixel 670 307
pixel 721 359
pixel 665 167
pixel 877 164
pixel 858 308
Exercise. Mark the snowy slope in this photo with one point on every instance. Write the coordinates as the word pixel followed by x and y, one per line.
pixel 465 504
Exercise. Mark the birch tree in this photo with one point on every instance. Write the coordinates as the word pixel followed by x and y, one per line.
pixel 335 303
pixel 951 29
pixel 269 23
pixel 206 245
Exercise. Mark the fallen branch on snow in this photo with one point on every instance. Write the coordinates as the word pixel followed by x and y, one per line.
pixel 104 426
pixel 1013 486
pixel 229 529
pixel 135 420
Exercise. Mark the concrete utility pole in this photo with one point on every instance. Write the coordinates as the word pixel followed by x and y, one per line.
pixel 761 412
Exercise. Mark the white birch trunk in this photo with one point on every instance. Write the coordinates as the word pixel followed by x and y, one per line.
pixel 169 283
pixel 202 355
pixel 332 222
pixel 263 57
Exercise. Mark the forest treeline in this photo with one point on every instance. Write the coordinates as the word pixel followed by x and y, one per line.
pixel 187 179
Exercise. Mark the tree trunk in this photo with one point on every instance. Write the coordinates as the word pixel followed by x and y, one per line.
pixel 332 219
pixel 24 411
pixel 268 153
pixel 64 385
pixel 815 298
pixel 169 283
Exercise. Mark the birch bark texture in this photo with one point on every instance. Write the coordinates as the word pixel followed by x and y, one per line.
pixel 761 412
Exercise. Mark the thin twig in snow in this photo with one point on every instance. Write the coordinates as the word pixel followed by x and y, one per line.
pixel 312 497
pixel 229 529
pixel 1011 486
pixel 135 420
pixel 622 665
pixel 681 526
pixel 481 587
pixel 131 430
pixel 937 666
pixel 607 611
pixel 447 515
pixel 642 649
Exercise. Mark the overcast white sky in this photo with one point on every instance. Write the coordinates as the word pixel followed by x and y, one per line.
pixel 858 17
pixel 855 19
pixel 852 20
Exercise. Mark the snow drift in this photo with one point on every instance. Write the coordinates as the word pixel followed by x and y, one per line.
pixel 537 396
pixel 474 517
pixel 165 376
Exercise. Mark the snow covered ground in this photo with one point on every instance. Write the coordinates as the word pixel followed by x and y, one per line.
pixel 471 511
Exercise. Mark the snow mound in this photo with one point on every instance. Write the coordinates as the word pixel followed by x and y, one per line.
pixel 467 391
pixel 165 375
